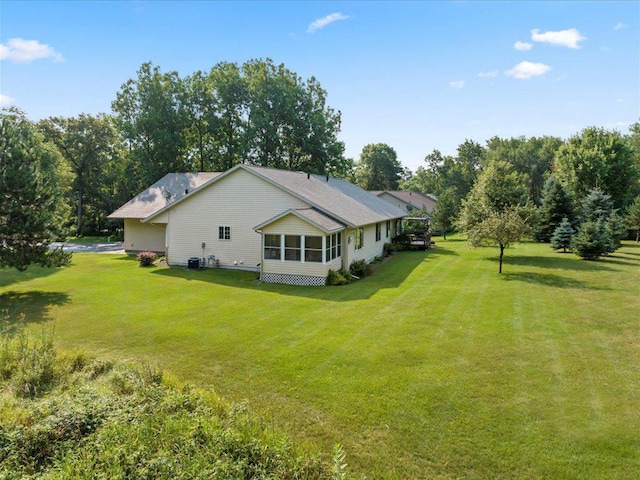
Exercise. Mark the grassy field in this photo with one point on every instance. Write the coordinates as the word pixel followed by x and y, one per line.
pixel 434 367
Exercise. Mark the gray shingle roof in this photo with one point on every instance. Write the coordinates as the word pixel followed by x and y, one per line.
pixel 169 189
pixel 338 198
pixel 334 197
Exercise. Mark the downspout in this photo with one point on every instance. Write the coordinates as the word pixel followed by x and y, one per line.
pixel 261 253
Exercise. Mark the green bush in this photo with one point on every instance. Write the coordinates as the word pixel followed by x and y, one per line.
pixel 335 278
pixel 146 259
pixel 389 249
pixel 360 268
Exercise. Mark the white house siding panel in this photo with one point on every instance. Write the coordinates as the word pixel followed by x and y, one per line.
pixel 239 201
pixel 292 225
pixel 139 236
pixel 371 248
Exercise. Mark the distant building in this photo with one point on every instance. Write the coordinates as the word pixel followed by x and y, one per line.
pixel 408 201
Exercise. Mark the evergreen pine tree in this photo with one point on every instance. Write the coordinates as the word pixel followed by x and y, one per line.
pixel 32 187
pixel 597 205
pixel 562 235
pixel 556 205
pixel 591 241
pixel 616 231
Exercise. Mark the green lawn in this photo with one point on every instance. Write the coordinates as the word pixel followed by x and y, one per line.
pixel 434 367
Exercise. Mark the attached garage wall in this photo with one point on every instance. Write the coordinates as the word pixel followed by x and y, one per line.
pixel 139 237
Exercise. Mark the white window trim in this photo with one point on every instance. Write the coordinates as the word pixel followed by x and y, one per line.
pixel 223 227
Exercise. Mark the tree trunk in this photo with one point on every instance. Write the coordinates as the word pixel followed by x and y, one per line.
pixel 501 255
pixel 80 194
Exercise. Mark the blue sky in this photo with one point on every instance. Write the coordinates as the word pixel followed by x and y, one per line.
pixel 418 76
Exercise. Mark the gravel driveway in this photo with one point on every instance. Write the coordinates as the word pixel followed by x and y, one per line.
pixel 114 247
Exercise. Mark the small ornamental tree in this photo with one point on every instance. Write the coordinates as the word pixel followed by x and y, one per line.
pixel 591 241
pixel 496 211
pixel 501 229
pixel 562 235
pixel 632 218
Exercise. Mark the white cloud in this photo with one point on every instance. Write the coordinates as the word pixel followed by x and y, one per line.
pixel 522 46
pixel 565 38
pixel 458 84
pixel 324 21
pixel 20 50
pixel 5 100
pixel 527 70
pixel 620 26
pixel 492 74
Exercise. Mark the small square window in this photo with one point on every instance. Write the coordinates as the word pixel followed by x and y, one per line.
pixel 224 233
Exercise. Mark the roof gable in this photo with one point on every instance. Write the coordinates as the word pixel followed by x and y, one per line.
pixel 310 216
pixel 165 192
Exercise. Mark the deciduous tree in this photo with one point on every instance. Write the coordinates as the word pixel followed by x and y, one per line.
pixel 597 158
pixel 496 211
pixel 446 210
pixel 378 168
pixel 91 147
pixel 632 217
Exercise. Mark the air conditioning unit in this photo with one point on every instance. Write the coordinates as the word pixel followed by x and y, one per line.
pixel 193 263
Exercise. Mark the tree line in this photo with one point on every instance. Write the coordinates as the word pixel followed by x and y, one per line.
pixel 264 114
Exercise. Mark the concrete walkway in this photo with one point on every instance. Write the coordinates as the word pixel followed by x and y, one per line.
pixel 114 247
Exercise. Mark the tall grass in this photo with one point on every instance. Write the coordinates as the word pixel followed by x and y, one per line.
pixel 75 417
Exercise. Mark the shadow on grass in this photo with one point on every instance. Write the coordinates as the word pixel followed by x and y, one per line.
pixel 549 280
pixel 561 261
pixel 11 276
pixel 617 260
pixel 389 274
pixel 34 305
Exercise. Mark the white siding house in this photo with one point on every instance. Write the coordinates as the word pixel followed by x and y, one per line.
pixel 292 227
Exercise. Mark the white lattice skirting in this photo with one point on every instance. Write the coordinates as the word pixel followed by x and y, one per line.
pixel 302 280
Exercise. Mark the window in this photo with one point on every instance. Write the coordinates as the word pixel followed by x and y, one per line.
pixel 224 233
pixel 378 232
pixel 359 238
pixel 334 246
pixel 388 228
pixel 313 249
pixel 292 245
pixel 272 247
